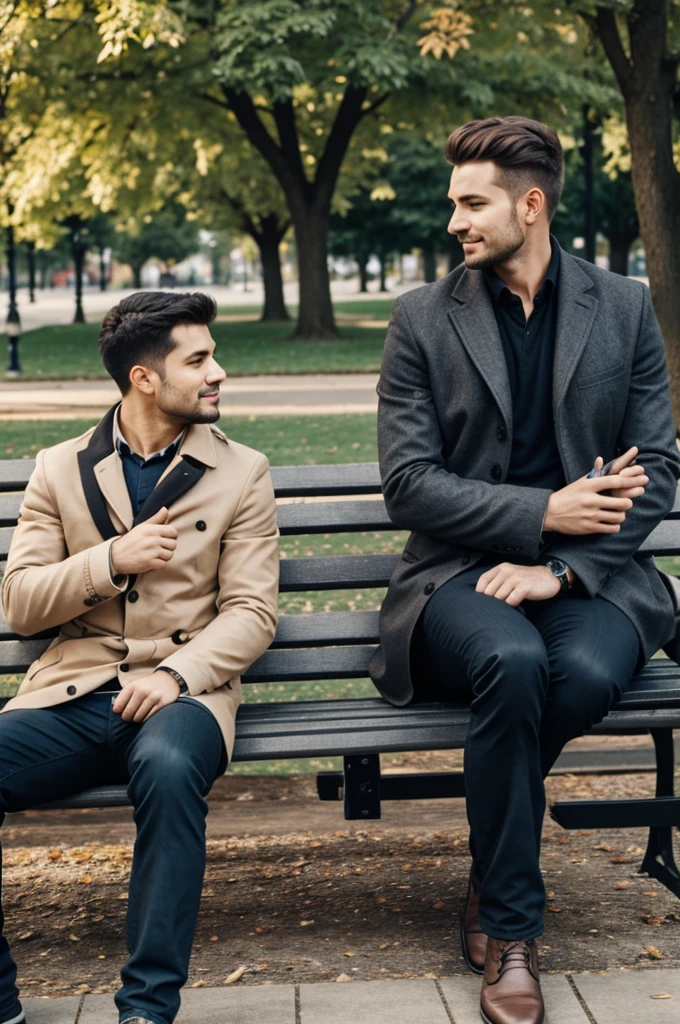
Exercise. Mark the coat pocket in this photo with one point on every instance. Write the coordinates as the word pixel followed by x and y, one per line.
pixel 49 659
pixel 610 373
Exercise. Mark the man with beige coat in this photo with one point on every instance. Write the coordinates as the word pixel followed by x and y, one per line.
pixel 151 542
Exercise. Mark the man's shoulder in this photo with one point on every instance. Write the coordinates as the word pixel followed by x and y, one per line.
pixel 230 453
pixel 65 452
pixel 428 297
pixel 608 284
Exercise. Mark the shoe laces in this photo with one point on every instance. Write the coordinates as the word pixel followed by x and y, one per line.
pixel 516 954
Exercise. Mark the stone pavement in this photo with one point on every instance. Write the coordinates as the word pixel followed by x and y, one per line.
pixel 275 395
pixel 616 998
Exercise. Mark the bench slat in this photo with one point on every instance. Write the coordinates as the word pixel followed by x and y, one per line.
pixel 320 517
pixel 304 630
pixel 336 572
pixel 289 481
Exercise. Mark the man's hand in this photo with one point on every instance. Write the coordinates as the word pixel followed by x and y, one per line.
pixel 583 507
pixel 516 583
pixel 142 698
pixel 148 546
pixel 622 467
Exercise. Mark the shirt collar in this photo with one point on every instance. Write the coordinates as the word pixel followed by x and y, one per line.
pixel 497 286
pixel 119 441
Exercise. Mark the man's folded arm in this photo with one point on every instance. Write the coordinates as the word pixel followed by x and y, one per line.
pixel 420 494
pixel 44 586
pixel 248 594
pixel 649 424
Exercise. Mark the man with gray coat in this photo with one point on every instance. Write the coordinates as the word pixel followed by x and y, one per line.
pixel 521 585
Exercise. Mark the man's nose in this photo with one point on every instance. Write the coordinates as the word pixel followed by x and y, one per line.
pixel 216 374
pixel 458 224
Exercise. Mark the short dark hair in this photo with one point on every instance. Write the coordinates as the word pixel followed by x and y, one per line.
pixel 527 152
pixel 138 329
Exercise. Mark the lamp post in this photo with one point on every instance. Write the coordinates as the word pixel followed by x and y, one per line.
pixel 13 326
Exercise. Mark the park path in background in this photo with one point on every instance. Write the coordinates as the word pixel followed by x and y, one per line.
pixel 56 305
pixel 275 395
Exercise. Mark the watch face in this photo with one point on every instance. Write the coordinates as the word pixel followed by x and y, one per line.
pixel 556 567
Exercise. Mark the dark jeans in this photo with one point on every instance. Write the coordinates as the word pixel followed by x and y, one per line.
pixel 539 675
pixel 169 764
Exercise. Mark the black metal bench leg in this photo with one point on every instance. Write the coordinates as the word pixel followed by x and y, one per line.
pixel 362 786
pixel 659 861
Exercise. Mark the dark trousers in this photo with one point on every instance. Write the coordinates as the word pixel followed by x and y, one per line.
pixel 539 675
pixel 169 764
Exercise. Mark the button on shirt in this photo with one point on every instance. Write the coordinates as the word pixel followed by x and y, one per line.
pixel 142 475
pixel 529 347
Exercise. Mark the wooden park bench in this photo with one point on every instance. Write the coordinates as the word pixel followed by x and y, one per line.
pixel 339 645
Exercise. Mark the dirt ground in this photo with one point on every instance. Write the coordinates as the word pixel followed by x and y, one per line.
pixel 295 893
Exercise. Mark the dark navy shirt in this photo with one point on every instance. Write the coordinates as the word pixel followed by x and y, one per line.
pixel 529 347
pixel 142 475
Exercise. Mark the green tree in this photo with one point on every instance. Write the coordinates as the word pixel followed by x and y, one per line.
pixel 641 40
pixel 167 236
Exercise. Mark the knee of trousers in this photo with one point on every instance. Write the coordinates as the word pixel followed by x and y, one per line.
pixel 583 694
pixel 514 670
pixel 165 770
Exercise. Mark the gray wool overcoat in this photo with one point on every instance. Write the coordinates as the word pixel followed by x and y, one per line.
pixel 444 438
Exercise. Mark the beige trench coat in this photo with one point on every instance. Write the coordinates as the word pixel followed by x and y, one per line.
pixel 208 614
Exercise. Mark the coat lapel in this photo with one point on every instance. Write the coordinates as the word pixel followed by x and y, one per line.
pixel 99 451
pixel 103 481
pixel 475 321
pixel 196 454
pixel 576 313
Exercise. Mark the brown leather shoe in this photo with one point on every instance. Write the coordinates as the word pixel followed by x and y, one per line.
pixel 511 992
pixel 472 939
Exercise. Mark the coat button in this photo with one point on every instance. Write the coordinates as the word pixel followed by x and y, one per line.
pixel 428 588
pixel 465 560
pixel 496 471
pixel 200 525
pixel 124 668
pixel 133 596
pixel 71 691
pixel 501 433
pixel 178 637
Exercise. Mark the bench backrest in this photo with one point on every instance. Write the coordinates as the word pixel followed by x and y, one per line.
pixel 322 645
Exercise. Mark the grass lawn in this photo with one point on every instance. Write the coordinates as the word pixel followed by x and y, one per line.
pixel 245 348
pixel 287 441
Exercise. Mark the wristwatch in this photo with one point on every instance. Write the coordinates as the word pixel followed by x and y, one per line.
pixel 560 572
pixel 180 680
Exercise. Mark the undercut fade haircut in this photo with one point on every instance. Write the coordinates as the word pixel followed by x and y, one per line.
pixel 138 330
pixel 527 153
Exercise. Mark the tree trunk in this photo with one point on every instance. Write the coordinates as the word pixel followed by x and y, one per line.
pixel 587 154
pixel 619 249
pixel 268 240
pixel 648 80
pixel 137 274
pixel 315 312
pixel 429 264
pixel 456 253
pixel 13 327
pixel 78 262
pixel 30 259
pixel 362 260
pixel 102 269
pixel 382 256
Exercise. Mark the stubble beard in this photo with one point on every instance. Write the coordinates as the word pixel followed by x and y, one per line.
pixel 174 402
pixel 499 250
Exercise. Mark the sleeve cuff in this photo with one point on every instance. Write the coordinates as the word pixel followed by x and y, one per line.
pixel 99 578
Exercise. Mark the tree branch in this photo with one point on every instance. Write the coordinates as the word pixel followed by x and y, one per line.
pixel 403 19
pixel 284 118
pixel 610 37
pixel 213 99
pixel 377 103
pixel 247 116
pixel 347 118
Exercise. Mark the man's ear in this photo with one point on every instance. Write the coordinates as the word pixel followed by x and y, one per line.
pixel 534 205
pixel 144 379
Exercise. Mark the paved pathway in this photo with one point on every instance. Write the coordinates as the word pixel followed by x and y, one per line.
pixel 311 394
pixel 616 998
